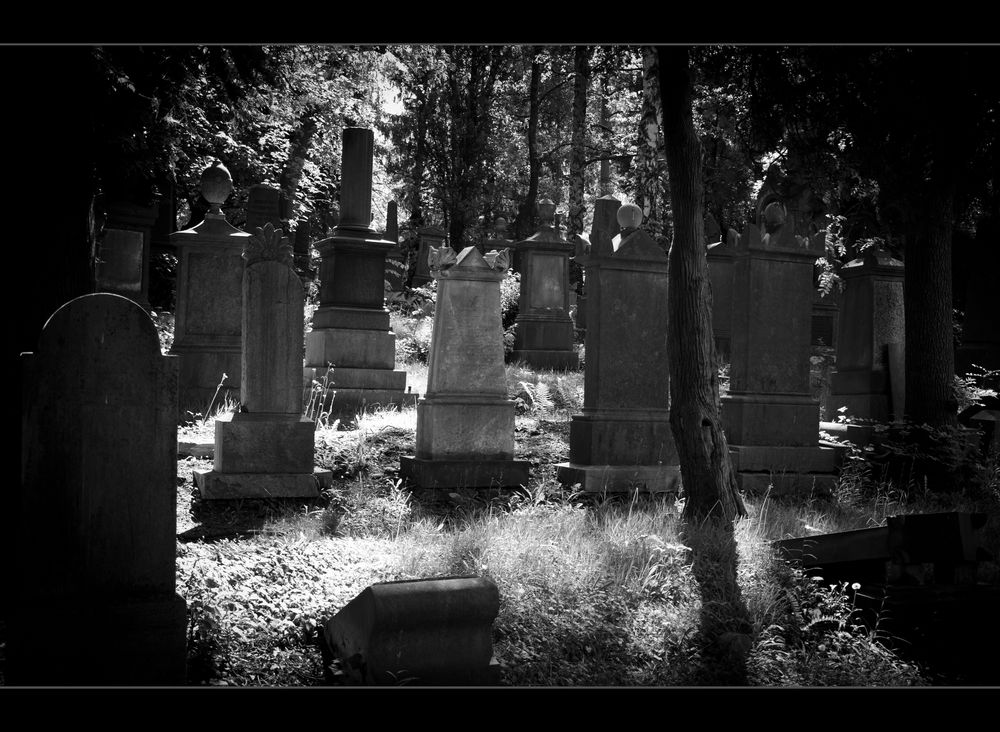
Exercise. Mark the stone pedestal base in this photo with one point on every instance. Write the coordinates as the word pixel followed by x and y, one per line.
pixel 782 419
pixel 555 360
pixel 352 389
pixel 622 437
pixel 217 486
pixel 784 470
pixel 621 478
pixel 246 445
pixel 445 473
pixel 98 642
pixel 199 374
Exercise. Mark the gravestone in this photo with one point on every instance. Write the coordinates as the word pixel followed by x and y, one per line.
pixel 350 328
pixel 465 422
pixel 95 515
pixel 622 439
pixel 428 237
pixel 395 261
pixel 263 207
pixel 417 632
pixel 770 418
pixel 266 449
pixel 720 272
pixel 873 319
pixel 207 324
pixel 125 246
pixel 543 335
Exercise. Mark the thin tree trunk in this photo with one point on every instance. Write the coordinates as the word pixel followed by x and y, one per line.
pixel 706 471
pixel 577 159
pixel 524 222
pixel 927 292
pixel 298 154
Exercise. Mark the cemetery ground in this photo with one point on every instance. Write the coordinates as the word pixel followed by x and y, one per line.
pixel 595 590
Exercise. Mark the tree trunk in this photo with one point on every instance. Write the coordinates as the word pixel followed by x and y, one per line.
pixel 604 186
pixel 578 153
pixel 706 471
pixel 927 292
pixel 298 153
pixel 524 223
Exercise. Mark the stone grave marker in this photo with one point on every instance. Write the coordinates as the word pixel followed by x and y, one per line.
pixel 93 596
pixel 465 421
pixel 769 415
pixel 622 440
pixel 395 261
pixel 872 319
pixel 266 448
pixel 428 237
pixel 543 335
pixel 207 324
pixel 350 328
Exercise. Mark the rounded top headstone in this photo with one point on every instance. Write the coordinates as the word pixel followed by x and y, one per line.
pixel 629 216
pixel 216 185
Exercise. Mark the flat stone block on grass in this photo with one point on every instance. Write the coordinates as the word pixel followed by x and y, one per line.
pixel 465 428
pixel 418 632
pixel 444 473
pixel 351 401
pixel 770 419
pixel 556 360
pixel 621 478
pixel 216 486
pixel 350 318
pixel 249 446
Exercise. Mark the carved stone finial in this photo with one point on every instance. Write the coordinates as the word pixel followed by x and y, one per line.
pixel 546 212
pixel 439 258
pixel 629 216
pixel 268 244
pixel 498 259
pixel 216 185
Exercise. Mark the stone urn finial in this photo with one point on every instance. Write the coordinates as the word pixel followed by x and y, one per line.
pixel 216 185
pixel 629 217
pixel 500 226
pixel 546 213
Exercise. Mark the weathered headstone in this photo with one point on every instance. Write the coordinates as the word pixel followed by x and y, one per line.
pixel 720 271
pixel 418 632
pixel 770 418
pixel 428 237
pixel 465 422
pixel 543 335
pixel 207 323
pixel 263 207
pixel 93 598
pixel 350 328
pixel 266 448
pixel 622 439
pixel 395 261
pixel 123 256
pixel 873 318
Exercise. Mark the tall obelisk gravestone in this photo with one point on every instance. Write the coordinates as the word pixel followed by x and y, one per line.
pixel 350 328
pixel 93 598
pixel 465 422
pixel 266 448
pixel 769 415
pixel 622 440
pixel 209 301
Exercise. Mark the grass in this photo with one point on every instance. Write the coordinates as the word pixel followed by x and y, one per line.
pixel 594 590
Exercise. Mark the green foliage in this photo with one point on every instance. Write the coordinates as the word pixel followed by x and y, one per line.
pixel 975 386
pixel 816 638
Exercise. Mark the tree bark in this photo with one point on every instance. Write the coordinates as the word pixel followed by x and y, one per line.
pixel 298 153
pixel 578 153
pixel 524 223
pixel 706 470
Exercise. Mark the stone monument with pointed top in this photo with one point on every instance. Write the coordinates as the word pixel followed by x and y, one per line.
pixel 622 440
pixel 465 421
pixel 207 330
